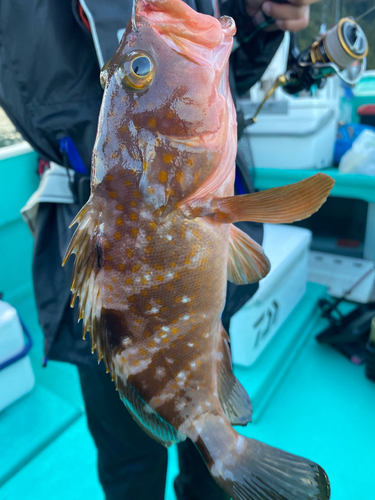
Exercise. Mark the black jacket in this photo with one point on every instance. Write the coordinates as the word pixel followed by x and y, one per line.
pixel 49 87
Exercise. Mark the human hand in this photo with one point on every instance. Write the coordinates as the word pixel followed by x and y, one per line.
pixel 291 16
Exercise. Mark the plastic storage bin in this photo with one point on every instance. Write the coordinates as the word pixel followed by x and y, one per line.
pixel 254 325
pixel 302 138
pixel 17 378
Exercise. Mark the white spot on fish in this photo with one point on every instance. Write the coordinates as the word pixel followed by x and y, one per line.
pixel 160 372
pixel 240 444
pixel 207 335
pixel 165 328
pixel 193 364
pixel 186 317
pixel 169 360
pixel 147 277
pixel 219 356
pixel 190 344
pixel 126 341
pixel 154 310
pixel 169 237
pixel 185 299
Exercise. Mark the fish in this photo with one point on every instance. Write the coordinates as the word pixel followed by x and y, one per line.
pixel 156 243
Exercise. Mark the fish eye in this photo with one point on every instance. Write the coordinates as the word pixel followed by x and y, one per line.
pixel 136 70
pixel 104 74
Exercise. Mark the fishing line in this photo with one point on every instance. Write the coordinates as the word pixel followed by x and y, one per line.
pixel 365 13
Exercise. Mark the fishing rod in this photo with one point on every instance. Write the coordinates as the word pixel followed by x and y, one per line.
pixel 340 51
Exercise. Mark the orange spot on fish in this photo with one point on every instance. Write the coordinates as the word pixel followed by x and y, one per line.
pixel 169 114
pixel 136 194
pixel 120 207
pixel 107 267
pixel 158 301
pixel 160 278
pixel 143 352
pixel 158 267
pixel 112 194
pixel 133 309
pixel 169 191
pixel 109 299
pixel 149 238
pixel 132 298
pixel 144 291
pixel 170 287
pixel 148 249
pixel 127 183
pixel 177 276
pixel 114 279
pixel 108 138
pixel 174 330
pixel 147 335
pixel 129 253
pixel 178 299
pixel 153 226
pixel 167 158
pixel 119 222
pixel 163 176
pixel 110 177
pixel 152 122
pixel 123 129
pixel 133 216
pixel 121 267
pixel 136 362
pixel 133 203
pixel 163 309
pixel 179 177
pixel 158 142
pixel 191 161
pixel 187 262
pixel 109 287
pixel 109 257
pixel 148 307
pixel 136 268
pixel 134 232
pixel 106 245
pixel 123 146
pixel 165 340
pixel 154 287
pixel 114 155
pixel 150 190
pixel 173 264
pixel 128 281
pixel 174 321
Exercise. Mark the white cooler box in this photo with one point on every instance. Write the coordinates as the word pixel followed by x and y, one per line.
pixel 254 325
pixel 16 379
pixel 302 138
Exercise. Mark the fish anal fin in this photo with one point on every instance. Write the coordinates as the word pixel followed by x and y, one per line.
pixel 154 425
pixel 247 261
pixel 233 397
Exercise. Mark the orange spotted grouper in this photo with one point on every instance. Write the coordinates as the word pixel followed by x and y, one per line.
pixel 155 245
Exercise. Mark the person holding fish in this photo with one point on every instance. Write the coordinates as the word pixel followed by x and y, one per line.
pixel 49 86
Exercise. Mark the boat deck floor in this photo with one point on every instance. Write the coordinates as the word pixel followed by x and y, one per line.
pixel 317 404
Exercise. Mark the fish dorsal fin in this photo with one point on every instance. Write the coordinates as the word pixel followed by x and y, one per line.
pixel 154 425
pixel 233 397
pixel 84 285
pixel 247 262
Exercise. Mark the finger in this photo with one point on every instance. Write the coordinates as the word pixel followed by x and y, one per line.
pixel 295 25
pixel 303 2
pixel 284 11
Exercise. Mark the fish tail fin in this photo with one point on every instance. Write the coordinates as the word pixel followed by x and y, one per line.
pixel 247 469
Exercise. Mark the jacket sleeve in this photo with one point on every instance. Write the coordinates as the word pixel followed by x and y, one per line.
pixel 251 59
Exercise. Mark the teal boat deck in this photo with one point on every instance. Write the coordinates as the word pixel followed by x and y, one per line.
pixel 308 399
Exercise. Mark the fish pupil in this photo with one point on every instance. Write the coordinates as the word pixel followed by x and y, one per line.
pixel 141 66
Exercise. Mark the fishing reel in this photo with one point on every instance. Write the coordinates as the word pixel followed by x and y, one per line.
pixel 340 51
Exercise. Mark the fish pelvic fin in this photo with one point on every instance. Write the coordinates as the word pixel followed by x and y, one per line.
pixel 247 261
pixel 86 267
pixel 247 469
pixel 279 205
pixel 233 397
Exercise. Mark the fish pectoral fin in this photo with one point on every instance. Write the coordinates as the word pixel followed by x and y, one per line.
pixel 279 205
pixel 233 398
pixel 247 261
